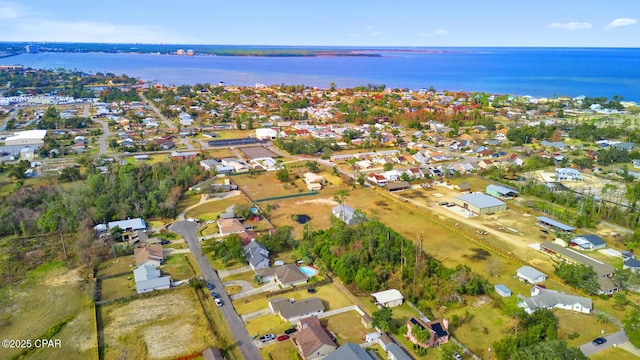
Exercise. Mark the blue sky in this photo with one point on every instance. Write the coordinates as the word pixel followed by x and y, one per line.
pixel 586 23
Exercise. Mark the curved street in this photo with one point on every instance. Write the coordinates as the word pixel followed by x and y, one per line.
pixel 188 231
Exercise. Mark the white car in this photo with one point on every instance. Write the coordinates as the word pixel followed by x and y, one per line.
pixel 218 302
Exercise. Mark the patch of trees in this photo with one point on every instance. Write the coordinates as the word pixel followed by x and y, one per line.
pixel 604 102
pixel 141 191
pixel 371 256
pixel 525 134
pixel 226 250
pixel 304 146
pixel 117 94
pixel 579 276
pixel 536 338
pixel 52 120
pixel 591 132
pixel 281 240
pixel 613 156
pixel 632 326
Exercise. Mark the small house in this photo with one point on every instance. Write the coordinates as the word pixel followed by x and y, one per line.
pixel 588 242
pixel 502 290
pixel 388 298
pixel 530 275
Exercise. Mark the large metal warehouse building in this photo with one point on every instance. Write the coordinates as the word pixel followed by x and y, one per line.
pixel 480 204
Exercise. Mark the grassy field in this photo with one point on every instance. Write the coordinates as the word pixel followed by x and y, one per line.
pixel 268 324
pixel 177 266
pixel 187 199
pixel 246 276
pixel 285 350
pixel 613 353
pixel 166 325
pixel 117 287
pixel 266 185
pixel 51 295
pixel 115 266
pixel 346 327
pixel 210 210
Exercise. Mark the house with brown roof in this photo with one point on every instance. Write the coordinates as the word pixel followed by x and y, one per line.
pixel 150 255
pixel 312 339
pixel 230 226
pixel 438 332
pixel 288 275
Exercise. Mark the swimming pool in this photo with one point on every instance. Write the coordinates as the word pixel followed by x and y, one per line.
pixel 309 271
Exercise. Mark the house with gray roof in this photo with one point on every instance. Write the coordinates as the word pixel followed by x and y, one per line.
pixel 542 298
pixel 395 352
pixel 347 214
pixel 480 204
pixel 349 351
pixel 128 225
pixel 530 275
pixel 631 263
pixel 148 278
pixel 501 192
pixel 294 311
pixel 257 255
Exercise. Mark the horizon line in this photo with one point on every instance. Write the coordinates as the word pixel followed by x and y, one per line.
pixel 328 46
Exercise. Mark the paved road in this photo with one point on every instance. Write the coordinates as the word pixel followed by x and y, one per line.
pixel 102 140
pixel 615 338
pixel 164 119
pixel 243 341
pixel 12 115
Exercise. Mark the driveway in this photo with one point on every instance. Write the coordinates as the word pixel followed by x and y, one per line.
pixel 236 325
pixel 612 339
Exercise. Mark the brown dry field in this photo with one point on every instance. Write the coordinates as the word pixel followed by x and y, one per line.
pixel 164 326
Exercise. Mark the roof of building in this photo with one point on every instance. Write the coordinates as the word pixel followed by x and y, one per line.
pixel 289 310
pixel 397 352
pixel 557 224
pixel 529 272
pixel 502 288
pixel 481 200
pixel 386 296
pixel 145 272
pixel 593 239
pixel 153 252
pixel 632 263
pixel 349 351
pixel 599 267
pixel 502 190
pixel 398 185
pixel 227 226
pixel 133 224
pixel 289 273
pixel 212 354
pixel 550 298
pixel 312 336
pixel 28 135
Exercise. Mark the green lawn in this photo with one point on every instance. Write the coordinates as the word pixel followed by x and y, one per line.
pixel 284 350
pixel 246 276
pixel 210 210
pixel 116 266
pixel 266 325
pixel 613 353
pixel 177 267
pixel 117 287
pixel 347 327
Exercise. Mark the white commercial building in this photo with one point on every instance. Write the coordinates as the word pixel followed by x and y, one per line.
pixel 24 138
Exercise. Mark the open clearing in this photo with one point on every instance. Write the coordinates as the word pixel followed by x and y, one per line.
pixel 50 295
pixel 346 327
pixel 165 325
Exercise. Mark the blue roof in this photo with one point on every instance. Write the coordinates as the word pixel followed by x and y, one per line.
pixel 557 224
pixel 502 288
pixel 593 239
pixel 502 190
pixel 481 200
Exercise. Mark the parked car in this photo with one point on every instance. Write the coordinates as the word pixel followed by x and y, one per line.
pixel 544 231
pixel 267 337
pixel 218 302
pixel 210 286
pixel 215 295
pixel 457 356
pixel 283 337
pixel 311 290
pixel 599 341
pixel 290 331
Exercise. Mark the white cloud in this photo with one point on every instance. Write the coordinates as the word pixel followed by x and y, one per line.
pixel 574 25
pixel 376 33
pixel 620 22
pixel 439 32
pixel 87 31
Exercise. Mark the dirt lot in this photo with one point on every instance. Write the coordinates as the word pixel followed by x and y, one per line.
pixel 167 325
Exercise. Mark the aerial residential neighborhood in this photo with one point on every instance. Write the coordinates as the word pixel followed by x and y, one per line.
pixel 282 222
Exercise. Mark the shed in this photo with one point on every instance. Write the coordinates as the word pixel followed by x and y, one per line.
pixel 388 298
pixel 530 275
pixel 500 191
pixel 480 204
pixel 397 186
pixel 502 290
pixel 552 224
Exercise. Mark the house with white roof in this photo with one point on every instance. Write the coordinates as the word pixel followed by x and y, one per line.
pixel 530 275
pixel 128 225
pixel 568 174
pixel 388 298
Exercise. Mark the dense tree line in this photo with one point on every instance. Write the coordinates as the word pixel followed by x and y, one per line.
pixel 52 120
pixel 536 338
pixel 591 132
pixel 579 276
pixel 526 134
pixel 371 256
pixel 304 146
pixel 117 94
